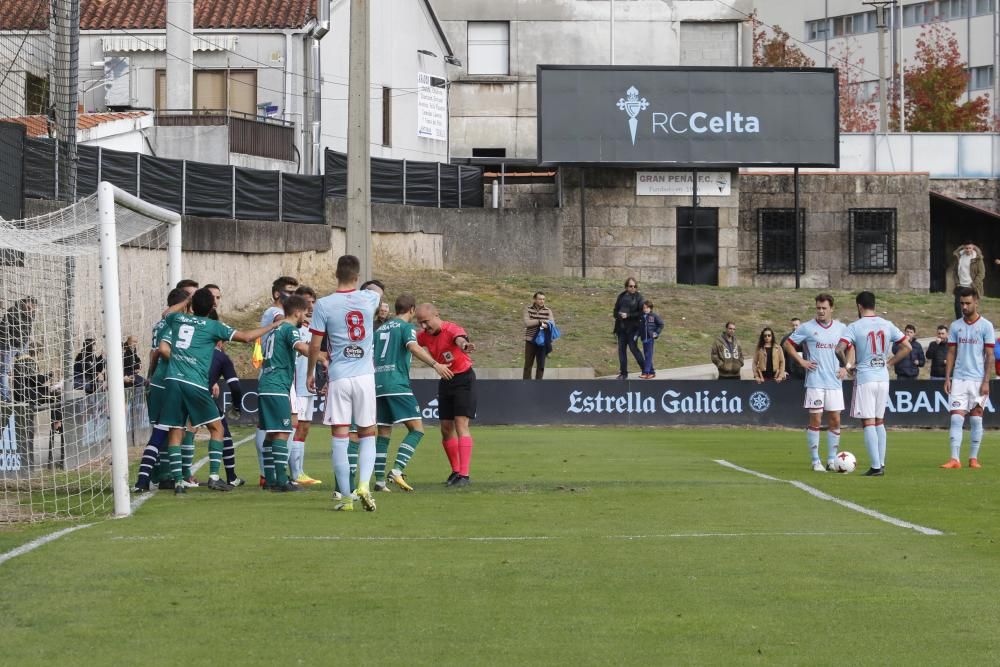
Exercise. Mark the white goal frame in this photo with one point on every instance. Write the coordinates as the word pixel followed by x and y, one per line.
pixel 107 197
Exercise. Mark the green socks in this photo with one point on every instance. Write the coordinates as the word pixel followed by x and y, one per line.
pixel 214 457
pixel 279 453
pixel 269 476
pixel 381 454
pixel 406 449
pixel 187 454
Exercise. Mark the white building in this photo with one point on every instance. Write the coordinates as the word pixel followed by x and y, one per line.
pixel 826 28
pixel 501 43
pixel 252 104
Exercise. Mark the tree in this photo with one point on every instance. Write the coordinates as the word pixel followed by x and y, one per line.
pixel 775 51
pixel 858 112
pixel 934 84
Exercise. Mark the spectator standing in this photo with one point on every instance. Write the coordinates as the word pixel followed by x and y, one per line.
pixel 536 316
pixel 88 366
pixel 769 359
pixel 628 318
pixel 132 363
pixel 908 368
pixel 652 326
pixel 969 271
pixel 727 355
pixel 792 368
pixel 937 352
pixel 15 330
pixel 29 390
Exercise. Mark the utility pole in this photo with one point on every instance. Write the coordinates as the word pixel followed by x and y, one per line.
pixel 65 38
pixel 880 22
pixel 359 209
pixel 612 32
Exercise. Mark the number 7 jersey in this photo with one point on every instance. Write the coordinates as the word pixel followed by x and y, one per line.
pixel 872 338
pixel 347 319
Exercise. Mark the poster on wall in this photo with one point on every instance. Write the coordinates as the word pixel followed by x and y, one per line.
pixel 681 183
pixel 432 107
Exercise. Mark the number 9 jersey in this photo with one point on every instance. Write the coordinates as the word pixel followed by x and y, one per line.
pixel 347 319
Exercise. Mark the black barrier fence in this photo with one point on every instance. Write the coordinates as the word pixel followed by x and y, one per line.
pixel 411 182
pixel 12 136
pixel 659 403
pixel 226 191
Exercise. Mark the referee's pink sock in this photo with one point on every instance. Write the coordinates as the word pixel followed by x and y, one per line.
pixel 464 454
pixel 451 449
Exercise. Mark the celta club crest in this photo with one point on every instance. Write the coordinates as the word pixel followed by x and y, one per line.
pixel 632 105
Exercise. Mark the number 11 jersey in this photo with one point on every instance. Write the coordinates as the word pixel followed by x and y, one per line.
pixel 872 338
pixel 347 319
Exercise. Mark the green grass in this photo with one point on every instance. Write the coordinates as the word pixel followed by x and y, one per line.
pixel 490 307
pixel 638 548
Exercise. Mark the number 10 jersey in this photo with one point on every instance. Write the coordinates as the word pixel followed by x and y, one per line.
pixel 347 319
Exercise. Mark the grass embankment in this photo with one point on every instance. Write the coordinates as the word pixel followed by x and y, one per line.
pixel 490 307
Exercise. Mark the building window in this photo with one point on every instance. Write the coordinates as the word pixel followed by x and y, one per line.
pixel 489 152
pixel 36 95
pixel 952 9
pixel 489 47
pixel 219 90
pixel 872 244
pixel 981 78
pixel 386 116
pixel 918 14
pixel 816 30
pixel 776 240
pixel 983 7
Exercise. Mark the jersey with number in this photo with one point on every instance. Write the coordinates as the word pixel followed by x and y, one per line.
pixel 392 357
pixel 443 348
pixel 872 338
pixel 161 332
pixel 278 373
pixel 192 343
pixel 820 342
pixel 347 319
pixel 970 340
pixel 302 365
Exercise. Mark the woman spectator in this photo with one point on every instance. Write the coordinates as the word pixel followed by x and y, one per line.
pixel 88 367
pixel 769 361
pixel 628 320
pixel 536 316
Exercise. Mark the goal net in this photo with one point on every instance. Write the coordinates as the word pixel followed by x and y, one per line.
pixel 80 290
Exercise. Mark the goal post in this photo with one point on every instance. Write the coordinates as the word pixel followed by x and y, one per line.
pixel 107 196
pixel 81 289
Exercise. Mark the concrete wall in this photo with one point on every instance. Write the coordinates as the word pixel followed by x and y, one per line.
pixel 523 195
pixel 981 192
pixel 826 200
pixel 709 43
pixel 630 234
pixel 206 143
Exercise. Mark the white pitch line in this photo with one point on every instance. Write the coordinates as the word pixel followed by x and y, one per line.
pixel 816 493
pixel 51 537
pixel 548 538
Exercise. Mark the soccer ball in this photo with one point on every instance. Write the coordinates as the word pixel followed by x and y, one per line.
pixel 845 462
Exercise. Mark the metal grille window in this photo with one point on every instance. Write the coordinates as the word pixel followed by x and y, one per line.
pixel 872 243
pixel 776 240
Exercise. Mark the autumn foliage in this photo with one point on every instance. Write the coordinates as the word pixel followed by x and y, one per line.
pixel 776 50
pixel 935 82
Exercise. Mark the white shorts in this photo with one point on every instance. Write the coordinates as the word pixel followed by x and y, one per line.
pixel 965 395
pixel 351 400
pixel 869 400
pixel 293 397
pixel 824 400
pixel 305 407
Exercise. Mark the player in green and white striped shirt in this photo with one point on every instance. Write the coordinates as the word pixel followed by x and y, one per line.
pixel 395 342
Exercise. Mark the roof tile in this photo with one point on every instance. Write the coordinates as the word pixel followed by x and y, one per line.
pixel 151 14
pixel 38 125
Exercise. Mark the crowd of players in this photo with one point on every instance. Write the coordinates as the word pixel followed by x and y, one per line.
pixel 864 347
pixel 346 348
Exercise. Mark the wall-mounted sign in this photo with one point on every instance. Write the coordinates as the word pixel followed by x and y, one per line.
pixel 681 183
pixel 687 116
pixel 432 107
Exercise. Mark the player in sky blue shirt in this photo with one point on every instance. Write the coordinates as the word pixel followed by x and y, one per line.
pixel 971 341
pixel 824 377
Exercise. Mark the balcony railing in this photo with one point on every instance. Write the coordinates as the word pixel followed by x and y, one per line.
pixel 249 134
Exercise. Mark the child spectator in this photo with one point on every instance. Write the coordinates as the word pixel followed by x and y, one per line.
pixel 652 325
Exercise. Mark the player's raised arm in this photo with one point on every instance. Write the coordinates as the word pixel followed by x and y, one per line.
pixel 253 334
pixel 425 356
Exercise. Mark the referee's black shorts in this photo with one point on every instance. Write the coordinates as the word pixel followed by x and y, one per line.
pixel 457 396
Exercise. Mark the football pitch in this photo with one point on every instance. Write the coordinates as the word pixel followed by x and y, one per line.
pixel 572 546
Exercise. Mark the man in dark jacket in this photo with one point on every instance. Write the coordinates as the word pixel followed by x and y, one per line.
pixel 937 352
pixel 29 390
pixel 792 367
pixel 628 319
pixel 15 330
pixel 909 366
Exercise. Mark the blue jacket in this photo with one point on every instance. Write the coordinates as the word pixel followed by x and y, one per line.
pixel 910 365
pixel 650 327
